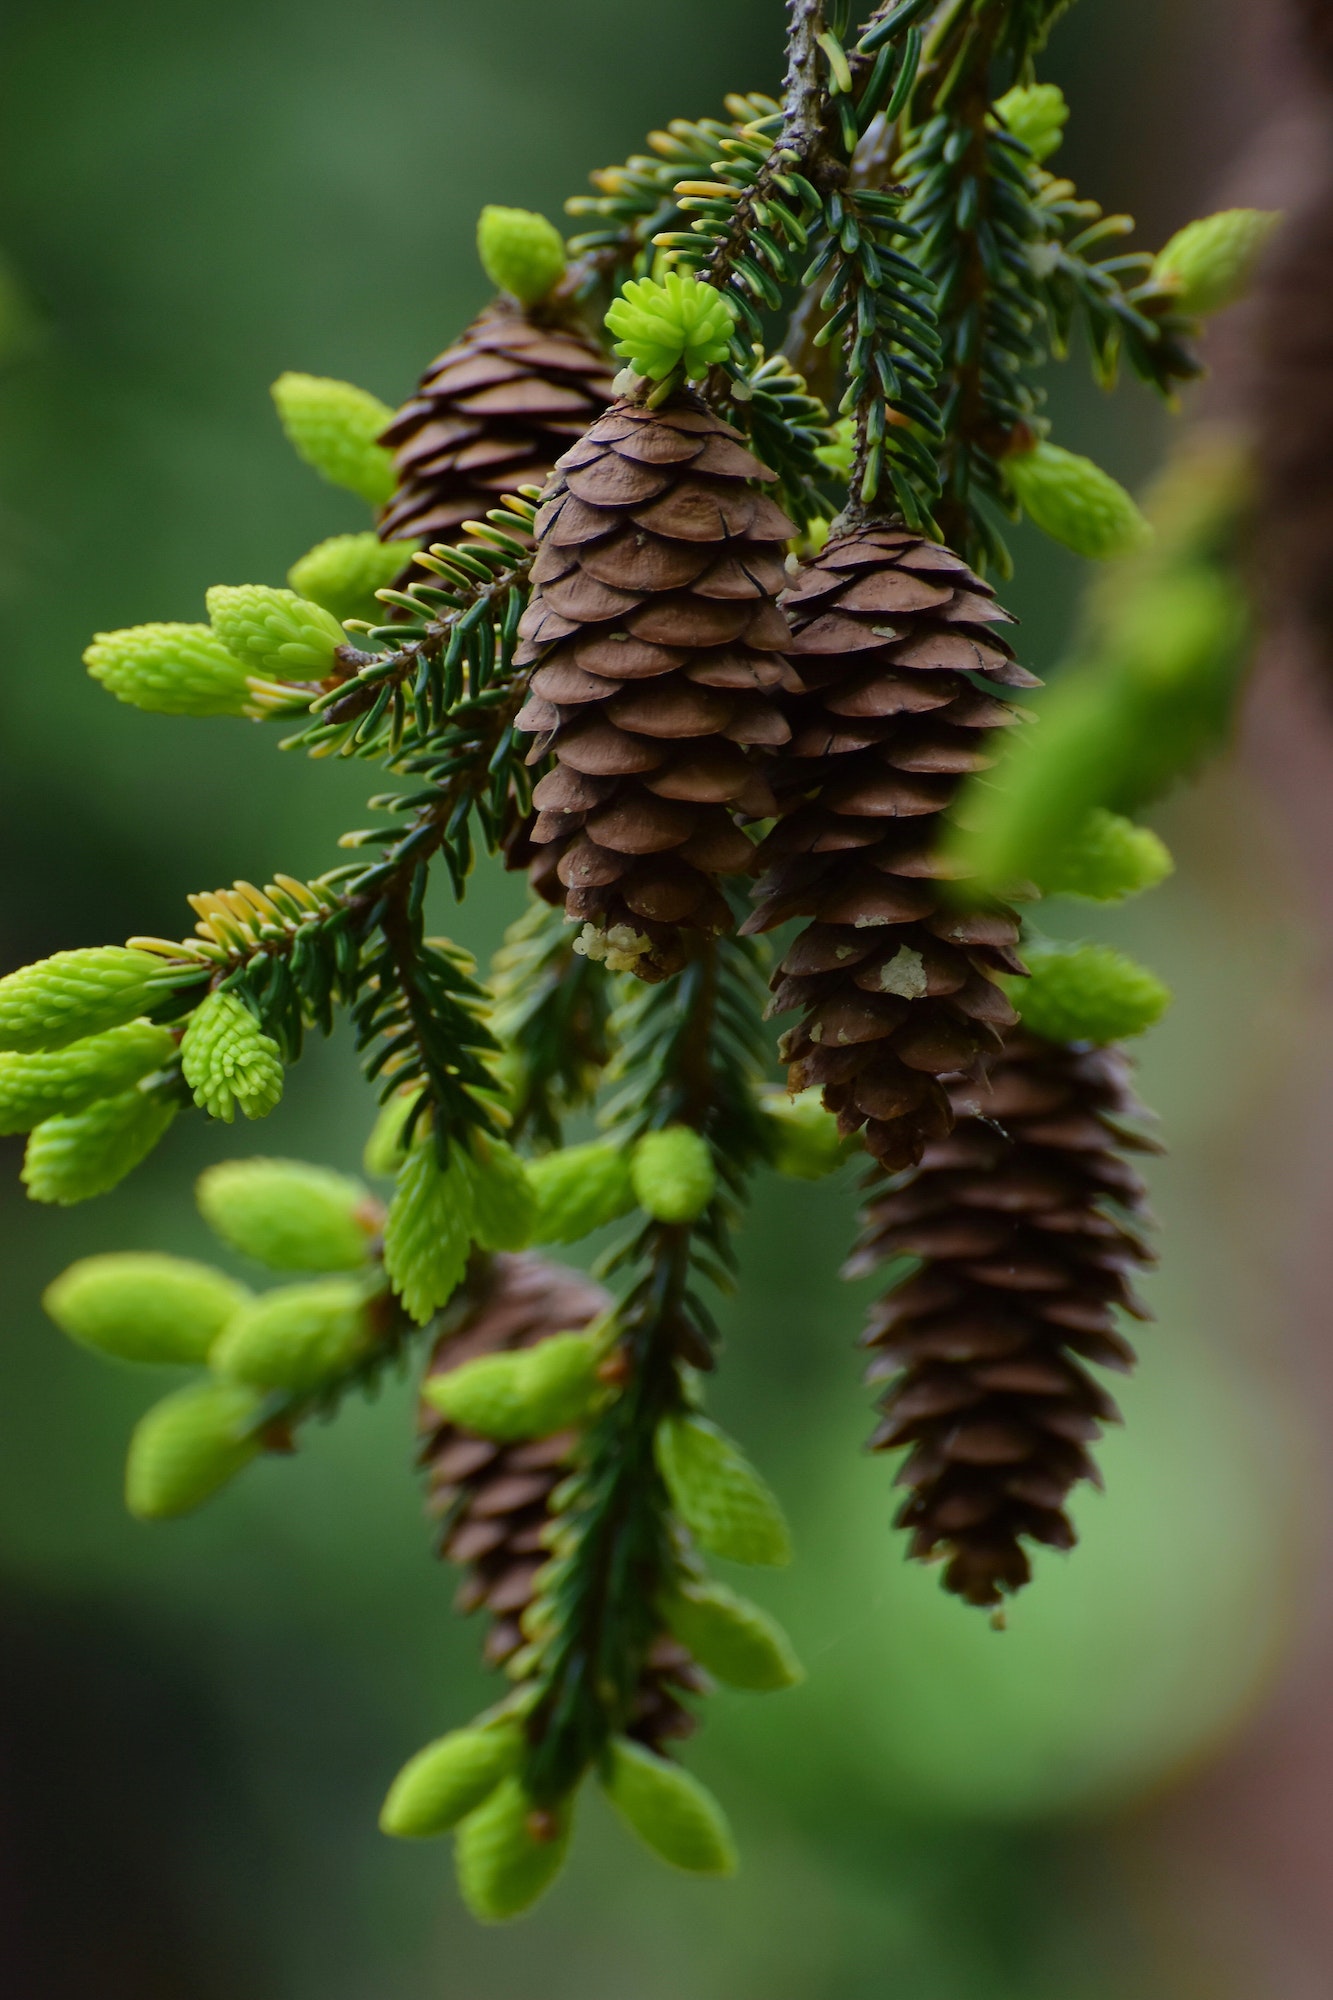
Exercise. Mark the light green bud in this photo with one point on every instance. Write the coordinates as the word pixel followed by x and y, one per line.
pixel 384 1152
pixel 521 253
pixel 336 428
pixel 297 1338
pixel 579 1189
pixel 1087 993
pixel 228 1061
pixel 429 1229
pixel 169 669
pixel 503 1201
pixel 274 631
pixel 448 1780
pixel 34 1087
pixel 508 1855
pixel 806 1141
pixel 1075 502
pixel 669 1810
pixel 732 1638
pixel 288 1214
pixel 1208 264
pixel 343 573
pixel 837 455
pixel 143 1306
pixel 71 1159
pixel 75 994
pixel 529 1392
pixel 1106 859
pixel 672 1174
pixel 189 1445
pixel 678 322
pixel 1037 114
pixel 722 1500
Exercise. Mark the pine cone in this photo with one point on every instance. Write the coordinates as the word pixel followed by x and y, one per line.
pixel 895 980
pixel 494 1499
pixel 1029 1225
pixel 655 620
pixel 492 413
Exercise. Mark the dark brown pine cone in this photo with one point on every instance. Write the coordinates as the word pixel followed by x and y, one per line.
pixel 655 621
pixel 1029 1224
pixel 490 414
pixel 895 977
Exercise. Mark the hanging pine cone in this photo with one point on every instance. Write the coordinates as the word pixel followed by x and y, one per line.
pixel 655 620
pixel 494 1499
pixel 895 978
pixel 490 414
pixel 1029 1225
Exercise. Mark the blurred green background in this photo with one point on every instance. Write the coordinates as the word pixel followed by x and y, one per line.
pixel 199 1720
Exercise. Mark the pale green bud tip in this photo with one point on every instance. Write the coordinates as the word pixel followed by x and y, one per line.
pixel 509 1852
pixel 336 428
pixel 384 1152
pixel 1106 859
pixel 50 1083
pixel 728 1508
pixel 448 1780
pixel 732 1638
pixel 1208 263
pixel 170 669
pixel 274 631
pixel 188 1446
pixel 805 1137
pixel 429 1229
pixel 289 1215
pixel 504 1204
pixel 532 1392
pixel 577 1190
pixel 521 252
pixel 673 1174
pixel 669 1810
pixel 1075 502
pixel 1087 993
pixel 71 1159
pixel 343 573
pixel 142 1306
pixel 228 1061
pixel 76 994
pixel 678 322
pixel 838 453
pixel 1037 114
pixel 298 1337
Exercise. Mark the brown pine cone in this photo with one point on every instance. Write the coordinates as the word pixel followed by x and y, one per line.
pixel 1029 1225
pixel 490 414
pixel 655 620
pixel 894 976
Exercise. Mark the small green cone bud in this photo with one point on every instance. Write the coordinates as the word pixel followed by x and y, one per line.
pixel 1087 993
pixel 142 1306
pixel 521 253
pixel 672 1174
pixel 837 455
pixel 343 574
pixel 274 631
pixel 529 1393
pixel 228 1061
pixel 76 994
pixel 1106 859
pixel 503 1201
pixel 288 1214
pixel 678 322
pixel 297 1338
pixel 44 1085
pixel 732 1638
pixel 384 1152
pixel 448 1780
pixel 169 669
pixel 336 427
pixel 1075 502
pixel 189 1445
pixel 508 1853
pixel 71 1159
pixel 805 1137
pixel 1208 263
pixel 1037 114
pixel 579 1189
pixel 669 1810
pixel 429 1229
pixel 722 1500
